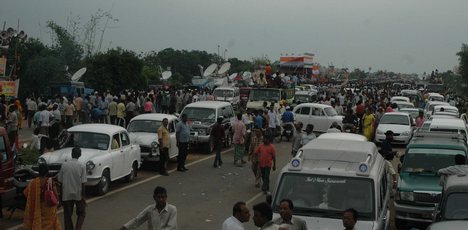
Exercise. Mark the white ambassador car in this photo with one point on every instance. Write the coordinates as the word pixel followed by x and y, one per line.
pixel 400 123
pixel 143 129
pixel 320 115
pixel 106 150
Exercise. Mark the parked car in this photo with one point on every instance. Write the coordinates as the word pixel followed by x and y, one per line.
pixel 413 112
pixel 418 189
pixel 435 97
pixel 399 98
pixel 430 107
pixel 202 116
pixel 453 204
pixel 305 97
pixel 229 94
pixel 404 105
pixel 331 174
pixel 143 129
pixel 106 150
pixel 446 110
pixel 319 115
pixel 400 123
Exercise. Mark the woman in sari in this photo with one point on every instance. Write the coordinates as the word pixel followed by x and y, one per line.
pixel 38 214
pixel 368 121
pixel 20 113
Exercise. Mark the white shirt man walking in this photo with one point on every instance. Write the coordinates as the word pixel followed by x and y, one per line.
pixel 72 176
pixel 240 215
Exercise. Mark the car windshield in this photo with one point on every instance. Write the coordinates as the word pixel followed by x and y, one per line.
pixel 455 207
pixel 330 111
pixel 394 119
pixel 413 113
pixel 145 126
pixel 402 106
pixel 428 160
pixel 264 95
pixel 88 140
pixel 302 98
pixel 326 196
pixel 200 114
pixel 223 93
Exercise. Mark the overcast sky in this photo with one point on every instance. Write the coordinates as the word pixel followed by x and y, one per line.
pixel 410 36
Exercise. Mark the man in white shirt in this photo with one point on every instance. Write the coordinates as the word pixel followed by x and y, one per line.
pixel 72 176
pixel 159 216
pixel 460 168
pixel 240 215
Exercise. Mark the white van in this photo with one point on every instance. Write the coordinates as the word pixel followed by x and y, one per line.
pixel 448 125
pixel 229 94
pixel 332 174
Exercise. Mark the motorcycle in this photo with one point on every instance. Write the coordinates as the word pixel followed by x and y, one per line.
pixel 288 131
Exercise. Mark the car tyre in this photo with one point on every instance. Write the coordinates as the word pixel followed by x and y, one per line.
pixel 131 176
pixel 104 184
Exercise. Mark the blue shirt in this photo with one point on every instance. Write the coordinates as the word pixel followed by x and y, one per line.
pixel 183 132
pixel 259 122
pixel 288 116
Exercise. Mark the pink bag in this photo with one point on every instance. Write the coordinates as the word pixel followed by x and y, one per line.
pixel 49 195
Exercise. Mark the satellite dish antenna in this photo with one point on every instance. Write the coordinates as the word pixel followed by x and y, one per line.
pixel 224 68
pixel 232 76
pixel 166 75
pixel 210 70
pixel 77 75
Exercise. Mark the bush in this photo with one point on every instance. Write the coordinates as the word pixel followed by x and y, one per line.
pixel 29 156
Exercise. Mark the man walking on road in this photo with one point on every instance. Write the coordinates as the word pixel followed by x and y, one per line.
pixel 267 160
pixel 217 134
pixel 164 145
pixel 238 140
pixel 182 136
pixel 240 215
pixel 256 141
pixel 160 216
pixel 72 176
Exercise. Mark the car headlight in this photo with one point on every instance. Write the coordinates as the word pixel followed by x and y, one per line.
pixel 202 131
pixel 405 133
pixel 90 166
pixel 154 147
pixel 408 196
pixel 41 160
pixel 380 132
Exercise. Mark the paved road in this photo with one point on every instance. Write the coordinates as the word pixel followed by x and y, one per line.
pixel 203 195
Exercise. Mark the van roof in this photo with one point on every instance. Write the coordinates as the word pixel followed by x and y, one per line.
pixel 438 140
pixel 336 157
pixel 208 104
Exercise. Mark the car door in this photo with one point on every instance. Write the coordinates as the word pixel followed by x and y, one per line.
pixel 383 213
pixel 118 157
pixel 127 153
pixel 173 150
pixel 319 119
pixel 302 114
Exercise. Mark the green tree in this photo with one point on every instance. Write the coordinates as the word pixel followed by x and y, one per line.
pixel 65 47
pixel 115 70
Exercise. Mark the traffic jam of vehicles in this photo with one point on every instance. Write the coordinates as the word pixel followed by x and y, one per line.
pixel 349 162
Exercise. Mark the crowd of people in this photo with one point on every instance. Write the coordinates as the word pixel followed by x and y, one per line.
pixel 362 110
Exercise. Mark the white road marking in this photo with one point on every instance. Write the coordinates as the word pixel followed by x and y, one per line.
pixel 254 198
pixel 19 226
